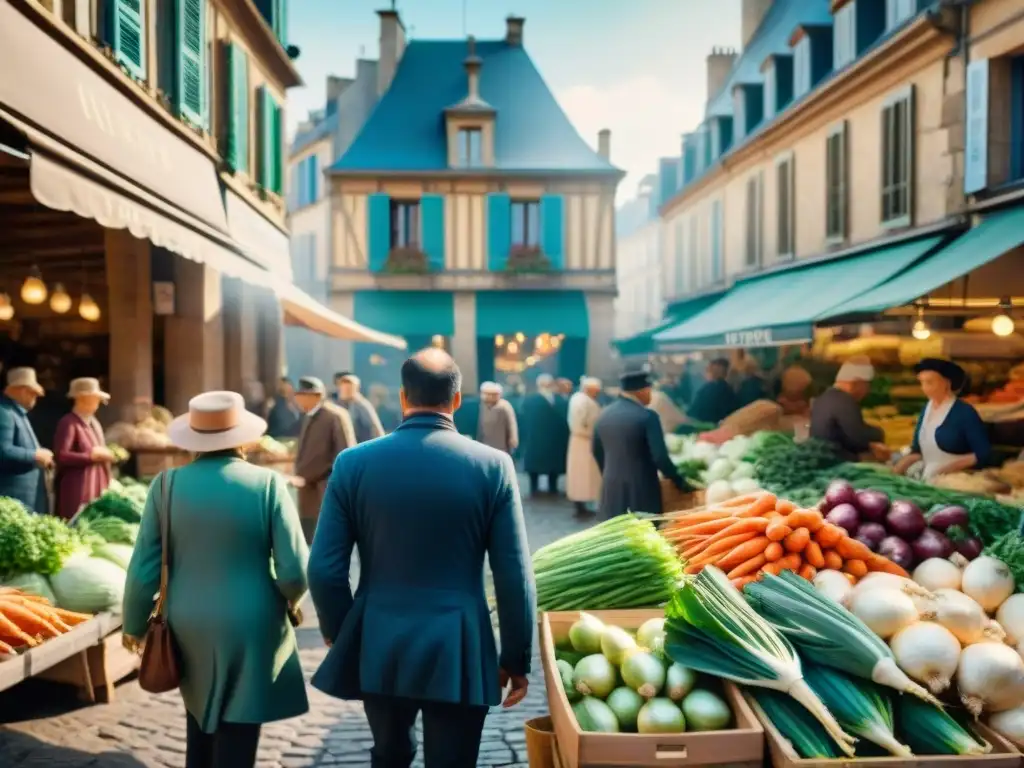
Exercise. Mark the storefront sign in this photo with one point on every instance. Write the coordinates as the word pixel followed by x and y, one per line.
pixel 66 98
pixel 760 337
pixel 976 142
pixel 163 298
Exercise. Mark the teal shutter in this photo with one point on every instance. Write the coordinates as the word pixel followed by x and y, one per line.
pixel 281 21
pixel 553 229
pixel 191 44
pixel 125 22
pixel 378 231
pixel 499 230
pixel 276 148
pixel 432 224
pixel 270 144
pixel 237 152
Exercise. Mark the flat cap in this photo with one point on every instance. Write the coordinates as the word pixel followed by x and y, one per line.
pixel 311 384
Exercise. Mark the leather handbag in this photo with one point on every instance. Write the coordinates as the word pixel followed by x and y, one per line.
pixel 160 670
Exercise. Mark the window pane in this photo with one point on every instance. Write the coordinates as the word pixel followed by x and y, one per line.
pixel 533 224
pixel 518 224
pixel 475 158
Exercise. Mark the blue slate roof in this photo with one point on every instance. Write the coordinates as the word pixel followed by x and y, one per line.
pixel 322 129
pixel 771 37
pixel 406 131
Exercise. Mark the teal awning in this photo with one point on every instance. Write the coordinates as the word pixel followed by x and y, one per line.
pixel 406 313
pixel 502 313
pixel 781 308
pixel 995 235
pixel 680 312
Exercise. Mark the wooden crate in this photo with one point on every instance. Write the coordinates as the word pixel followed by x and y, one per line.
pixel 1003 754
pixel 740 746
pixel 674 500
pixel 150 463
pixel 96 670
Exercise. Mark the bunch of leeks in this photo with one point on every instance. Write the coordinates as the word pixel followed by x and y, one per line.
pixel 711 629
pixel 861 707
pixel 827 633
pixel 929 730
pixel 797 726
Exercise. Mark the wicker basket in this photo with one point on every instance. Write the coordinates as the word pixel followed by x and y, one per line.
pixel 674 500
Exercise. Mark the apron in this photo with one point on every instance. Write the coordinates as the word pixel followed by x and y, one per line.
pixel 934 458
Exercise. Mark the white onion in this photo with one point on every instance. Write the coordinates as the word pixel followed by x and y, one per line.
pixel 994 631
pixel 882 580
pixel 885 611
pixel 1010 724
pixel 938 573
pixel 651 634
pixel 928 652
pixel 835 586
pixel 1011 618
pixel 988 581
pixel 990 677
pixel 960 615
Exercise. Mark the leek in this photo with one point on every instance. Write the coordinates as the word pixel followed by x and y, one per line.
pixel 929 730
pixel 711 629
pixel 828 633
pixel 805 734
pixel 860 706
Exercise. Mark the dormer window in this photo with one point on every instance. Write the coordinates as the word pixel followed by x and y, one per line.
pixel 812 47
pixel 470 147
pixel 470 123
pixel 748 109
pixel 898 11
pixel 778 83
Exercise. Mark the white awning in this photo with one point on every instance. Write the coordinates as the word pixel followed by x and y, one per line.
pixel 303 310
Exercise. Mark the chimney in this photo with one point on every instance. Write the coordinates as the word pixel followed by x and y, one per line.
pixel 335 86
pixel 720 63
pixel 604 143
pixel 392 46
pixel 514 30
pixel 753 12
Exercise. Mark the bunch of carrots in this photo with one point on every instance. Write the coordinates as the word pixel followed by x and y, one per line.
pixel 28 620
pixel 760 533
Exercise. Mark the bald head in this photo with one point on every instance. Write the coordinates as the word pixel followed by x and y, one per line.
pixel 431 380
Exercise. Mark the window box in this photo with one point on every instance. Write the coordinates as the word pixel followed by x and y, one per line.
pixel 527 258
pixel 408 260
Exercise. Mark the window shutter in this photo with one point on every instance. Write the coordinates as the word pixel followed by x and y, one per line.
pixel 276 148
pixel 125 25
pixel 378 231
pixel 190 44
pixel 237 154
pixel 553 229
pixel 432 225
pixel 281 21
pixel 499 230
pixel 265 177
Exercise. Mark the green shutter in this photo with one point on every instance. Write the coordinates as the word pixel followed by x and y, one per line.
pixel 281 21
pixel 237 151
pixel 125 33
pixel 277 142
pixel 191 44
pixel 269 176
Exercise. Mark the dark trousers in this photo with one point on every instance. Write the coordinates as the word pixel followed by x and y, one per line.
pixel 451 732
pixel 535 483
pixel 232 745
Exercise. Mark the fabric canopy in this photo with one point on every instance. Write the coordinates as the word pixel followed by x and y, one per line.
pixel 781 308
pixel 643 343
pixel 532 312
pixel 301 309
pixel 410 314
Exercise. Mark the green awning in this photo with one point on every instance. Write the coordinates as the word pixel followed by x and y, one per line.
pixel 781 308
pixel 406 313
pixel 502 313
pixel 680 312
pixel 995 235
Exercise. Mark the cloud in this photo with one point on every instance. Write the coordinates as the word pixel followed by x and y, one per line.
pixel 646 115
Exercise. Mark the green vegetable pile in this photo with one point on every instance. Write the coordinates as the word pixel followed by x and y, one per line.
pixel 1010 549
pixel 31 543
pixel 131 489
pixel 112 504
pixel 793 470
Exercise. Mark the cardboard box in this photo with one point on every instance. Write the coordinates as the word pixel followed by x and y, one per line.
pixel 742 745
pixel 1003 754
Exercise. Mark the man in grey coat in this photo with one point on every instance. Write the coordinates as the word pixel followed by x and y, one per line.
pixel 629 447
pixel 364 415
pixel 836 414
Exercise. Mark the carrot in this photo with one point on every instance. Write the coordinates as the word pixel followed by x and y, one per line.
pixel 851 549
pixel 27 621
pixel 812 553
pixel 759 508
pixel 885 565
pixel 777 531
pixel 784 507
pixel 747 567
pixel 743 552
pixel 856 568
pixel 829 535
pixel 5 649
pixel 787 563
pixel 707 527
pixel 42 611
pixel 723 546
pixel 805 518
pixel 71 618
pixel 833 561
pixel 773 552
pixel 741 525
pixel 741 501
pixel 11 631
pixel 808 571
pixel 797 540
pixel 741 582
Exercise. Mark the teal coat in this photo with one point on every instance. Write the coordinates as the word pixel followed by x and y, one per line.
pixel 237 556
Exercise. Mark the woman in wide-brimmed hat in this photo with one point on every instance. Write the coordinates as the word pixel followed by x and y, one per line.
pixel 950 435
pixel 237 560
pixel 80 449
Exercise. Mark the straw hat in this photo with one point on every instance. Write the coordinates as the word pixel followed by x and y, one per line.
pixel 87 386
pixel 24 377
pixel 216 421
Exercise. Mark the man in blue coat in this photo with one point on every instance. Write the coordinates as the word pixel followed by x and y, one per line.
pixel 22 460
pixel 424 505
pixel 545 434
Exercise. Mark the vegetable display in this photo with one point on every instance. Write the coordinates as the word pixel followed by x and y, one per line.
pixel 31 543
pixel 721 468
pixel 26 620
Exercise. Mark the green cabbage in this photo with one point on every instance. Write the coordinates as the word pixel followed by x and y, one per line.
pixel 119 554
pixel 32 584
pixel 89 585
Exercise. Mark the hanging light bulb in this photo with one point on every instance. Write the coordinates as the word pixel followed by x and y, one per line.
pixel 6 308
pixel 1002 324
pixel 920 329
pixel 88 309
pixel 60 301
pixel 499 340
pixel 513 348
pixel 33 290
pixel 520 337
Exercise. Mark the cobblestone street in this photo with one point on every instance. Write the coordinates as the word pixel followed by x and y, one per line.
pixel 43 726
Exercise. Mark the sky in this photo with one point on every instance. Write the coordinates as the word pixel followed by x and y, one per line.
pixel 636 67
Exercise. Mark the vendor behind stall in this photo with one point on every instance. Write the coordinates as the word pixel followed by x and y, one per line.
pixel 836 416
pixel 80 450
pixel 716 399
pixel 950 435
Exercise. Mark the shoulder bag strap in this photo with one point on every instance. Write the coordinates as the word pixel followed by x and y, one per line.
pixel 165 539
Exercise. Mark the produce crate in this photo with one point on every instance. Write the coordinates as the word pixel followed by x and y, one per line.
pixel 741 746
pixel 151 462
pixel 1003 754
pixel 674 500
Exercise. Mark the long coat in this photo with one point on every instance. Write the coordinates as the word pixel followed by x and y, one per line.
pixel 545 430
pixel 582 475
pixel 629 447
pixel 713 402
pixel 497 427
pixel 20 476
pixel 323 435
pixel 365 420
pixel 418 625
pixel 79 479
pixel 237 557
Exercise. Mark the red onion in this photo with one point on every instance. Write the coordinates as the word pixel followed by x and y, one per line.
pixel 872 505
pixel 846 517
pixel 871 534
pixel 969 548
pixel 905 519
pixel 896 549
pixel 932 543
pixel 838 492
pixel 944 517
